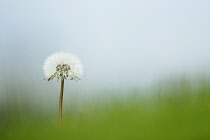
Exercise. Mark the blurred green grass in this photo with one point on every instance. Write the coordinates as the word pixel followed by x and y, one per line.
pixel 173 111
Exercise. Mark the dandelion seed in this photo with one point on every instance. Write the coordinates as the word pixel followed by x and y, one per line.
pixel 62 66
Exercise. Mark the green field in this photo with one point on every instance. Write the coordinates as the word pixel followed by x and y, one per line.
pixel 173 111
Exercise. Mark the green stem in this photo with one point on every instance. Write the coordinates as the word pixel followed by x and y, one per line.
pixel 61 101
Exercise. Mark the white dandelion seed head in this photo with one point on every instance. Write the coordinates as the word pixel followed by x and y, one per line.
pixel 63 65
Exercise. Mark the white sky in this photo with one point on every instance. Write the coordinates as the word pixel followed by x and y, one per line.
pixel 122 43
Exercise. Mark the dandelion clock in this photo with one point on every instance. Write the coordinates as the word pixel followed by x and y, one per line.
pixel 62 66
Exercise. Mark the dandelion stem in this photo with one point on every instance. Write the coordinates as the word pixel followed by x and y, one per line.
pixel 61 101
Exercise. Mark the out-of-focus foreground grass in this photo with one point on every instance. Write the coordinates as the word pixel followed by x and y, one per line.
pixel 176 111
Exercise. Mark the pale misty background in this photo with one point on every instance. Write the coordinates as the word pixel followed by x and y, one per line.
pixel 122 44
